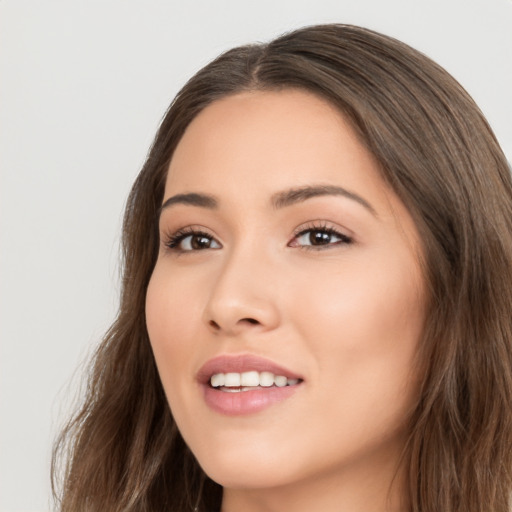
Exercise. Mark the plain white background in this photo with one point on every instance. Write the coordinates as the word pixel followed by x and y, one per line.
pixel 83 86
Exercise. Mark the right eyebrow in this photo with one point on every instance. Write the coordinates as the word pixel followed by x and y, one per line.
pixel 192 199
pixel 301 194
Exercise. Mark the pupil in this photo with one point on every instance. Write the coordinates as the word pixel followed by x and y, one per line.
pixel 200 242
pixel 320 238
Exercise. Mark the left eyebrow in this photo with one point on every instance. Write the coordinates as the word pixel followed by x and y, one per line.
pixel 192 199
pixel 300 194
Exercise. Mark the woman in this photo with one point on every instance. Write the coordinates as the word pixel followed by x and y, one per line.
pixel 316 300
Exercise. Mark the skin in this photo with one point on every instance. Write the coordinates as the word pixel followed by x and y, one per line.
pixel 345 316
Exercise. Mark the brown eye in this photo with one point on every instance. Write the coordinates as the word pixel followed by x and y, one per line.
pixel 192 241
pixel 198 242
pixel 320 237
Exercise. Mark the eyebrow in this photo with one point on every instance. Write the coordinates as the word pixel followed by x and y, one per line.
pixel 300 194
pixel 192 199
pixel 278 200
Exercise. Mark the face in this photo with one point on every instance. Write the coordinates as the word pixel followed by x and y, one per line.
pixel 289 273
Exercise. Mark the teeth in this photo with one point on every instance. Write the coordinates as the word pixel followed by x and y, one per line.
pixel 250 380
pixel 218 380
pixel 280 381
pixel 232 380
pixel 266 379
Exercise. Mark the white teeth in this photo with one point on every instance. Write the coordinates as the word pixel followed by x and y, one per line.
pixel 250 379
pixel 280 381
pixel 266 379
pixel 218 380
pixel 232 380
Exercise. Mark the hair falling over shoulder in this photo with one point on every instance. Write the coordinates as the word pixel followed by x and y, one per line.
pixel 122 450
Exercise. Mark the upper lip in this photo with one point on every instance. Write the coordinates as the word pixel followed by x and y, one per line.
pixel 240 364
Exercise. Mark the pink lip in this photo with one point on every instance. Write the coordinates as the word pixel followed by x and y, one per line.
pixel 244 402
pixel 239 364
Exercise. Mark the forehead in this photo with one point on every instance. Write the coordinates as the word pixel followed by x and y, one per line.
pixel 261 141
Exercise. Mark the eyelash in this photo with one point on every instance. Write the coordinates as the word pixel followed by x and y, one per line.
pixel 173 241
pixel 322 228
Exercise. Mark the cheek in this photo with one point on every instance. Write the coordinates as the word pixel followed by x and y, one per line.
pixel 172 321
pixel 173 305
pixel 362 324
pixel 360 303
pixel 363 335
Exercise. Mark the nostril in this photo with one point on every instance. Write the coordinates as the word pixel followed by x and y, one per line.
pixel 217 327
pixel 250 320
pixel 214 324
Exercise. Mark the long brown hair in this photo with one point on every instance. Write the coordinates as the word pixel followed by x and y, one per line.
pixel 122 450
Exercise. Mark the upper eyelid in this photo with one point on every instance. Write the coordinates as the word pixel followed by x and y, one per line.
pixel 191 229
pixel 308 226
pixel 323 225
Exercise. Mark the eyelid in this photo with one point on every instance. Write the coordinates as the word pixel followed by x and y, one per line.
pixel 171 239
pixel 321 224
pixel 325 226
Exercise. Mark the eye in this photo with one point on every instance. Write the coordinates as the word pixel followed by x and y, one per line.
pixel 187 240
pixel 318 237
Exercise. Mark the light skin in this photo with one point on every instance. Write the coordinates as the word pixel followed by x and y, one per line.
pixel 325 282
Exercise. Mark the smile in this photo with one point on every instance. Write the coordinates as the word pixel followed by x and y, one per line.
pixel 246 381
pixel 244 384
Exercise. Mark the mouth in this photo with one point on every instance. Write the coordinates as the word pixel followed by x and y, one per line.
pixel 247 381
pixel 245 384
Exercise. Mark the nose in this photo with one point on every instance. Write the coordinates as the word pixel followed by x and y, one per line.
pixel 243 297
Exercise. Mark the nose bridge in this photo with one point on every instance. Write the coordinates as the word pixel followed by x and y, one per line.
pixel 242 295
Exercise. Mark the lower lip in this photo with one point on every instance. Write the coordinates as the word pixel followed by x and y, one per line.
pixel 246 402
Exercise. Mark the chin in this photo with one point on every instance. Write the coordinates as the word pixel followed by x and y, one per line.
pixel 247 477
pixel 247 466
